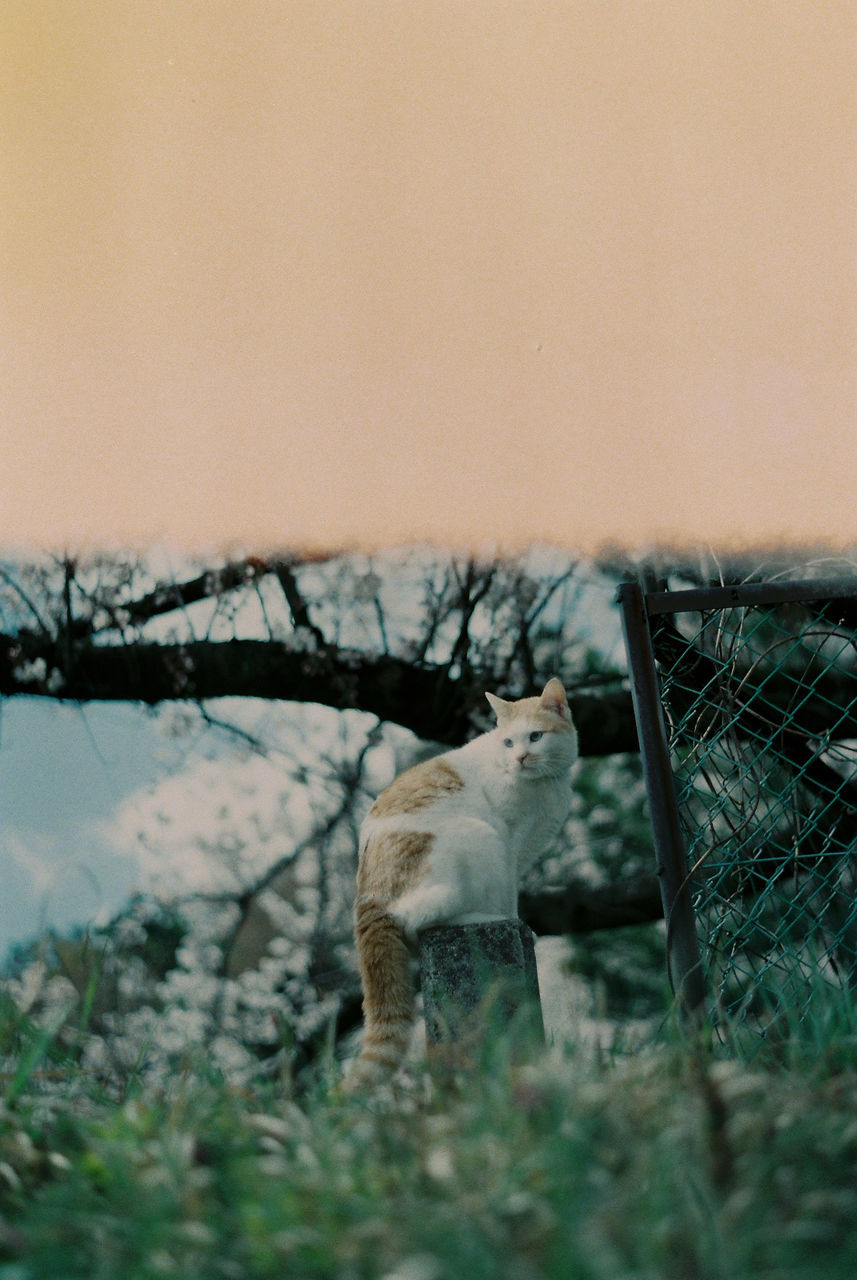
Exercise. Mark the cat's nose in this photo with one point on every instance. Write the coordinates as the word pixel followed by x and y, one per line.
pixel 522 756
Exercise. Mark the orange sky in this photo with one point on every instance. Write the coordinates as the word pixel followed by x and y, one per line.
pixel 294 271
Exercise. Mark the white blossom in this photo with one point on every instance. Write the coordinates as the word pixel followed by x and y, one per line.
pixel 34 672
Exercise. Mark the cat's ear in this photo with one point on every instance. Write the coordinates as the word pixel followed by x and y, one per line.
pixel 553 699
pixel 498 705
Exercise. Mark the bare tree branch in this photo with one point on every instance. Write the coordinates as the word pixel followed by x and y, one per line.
pixel 425 699
pixel 580 908
pixel 298 607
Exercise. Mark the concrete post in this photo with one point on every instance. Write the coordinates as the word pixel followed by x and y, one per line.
pixel 477 978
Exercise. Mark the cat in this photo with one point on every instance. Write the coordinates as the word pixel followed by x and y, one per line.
pixel 446 843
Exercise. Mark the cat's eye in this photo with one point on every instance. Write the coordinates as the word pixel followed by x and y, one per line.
pixel 535 735
pixel 507 742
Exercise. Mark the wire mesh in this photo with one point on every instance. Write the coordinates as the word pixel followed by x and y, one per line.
pixel 760 704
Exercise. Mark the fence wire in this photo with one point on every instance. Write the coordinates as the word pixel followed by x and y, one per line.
pixel 760 705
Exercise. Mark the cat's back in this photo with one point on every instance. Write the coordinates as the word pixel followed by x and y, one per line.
pixel 420 788
pixel 400 830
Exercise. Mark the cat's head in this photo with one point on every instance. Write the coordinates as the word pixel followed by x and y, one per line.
pixel 535 737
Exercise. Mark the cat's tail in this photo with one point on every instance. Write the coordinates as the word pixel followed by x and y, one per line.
pixel 388 995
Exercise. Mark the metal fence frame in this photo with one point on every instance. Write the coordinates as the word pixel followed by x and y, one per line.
pixel 638 608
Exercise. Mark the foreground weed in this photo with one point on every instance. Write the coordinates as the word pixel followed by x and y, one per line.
pixel 659 1165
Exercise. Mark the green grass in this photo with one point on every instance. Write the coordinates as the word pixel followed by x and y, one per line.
pixel 667 1163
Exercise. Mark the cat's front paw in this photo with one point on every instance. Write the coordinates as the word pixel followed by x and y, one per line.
pixel 423 908
pixel 407 924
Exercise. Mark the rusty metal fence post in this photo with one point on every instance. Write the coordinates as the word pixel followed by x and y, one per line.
pixel 745 699
pixel 683 955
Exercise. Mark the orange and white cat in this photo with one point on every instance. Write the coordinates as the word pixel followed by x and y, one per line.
pixel 447 843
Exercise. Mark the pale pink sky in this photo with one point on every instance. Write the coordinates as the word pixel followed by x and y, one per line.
pixel 293 271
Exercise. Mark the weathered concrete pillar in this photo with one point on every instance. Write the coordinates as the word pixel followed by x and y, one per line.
pixel 479 980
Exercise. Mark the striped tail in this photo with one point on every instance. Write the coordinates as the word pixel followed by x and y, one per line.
pixel 388 994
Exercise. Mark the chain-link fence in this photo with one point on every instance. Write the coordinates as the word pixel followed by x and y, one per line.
pixel 757 727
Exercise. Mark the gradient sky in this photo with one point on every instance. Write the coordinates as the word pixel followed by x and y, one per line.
pixel 288 271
